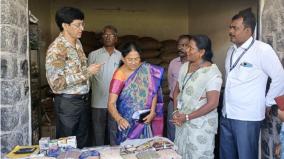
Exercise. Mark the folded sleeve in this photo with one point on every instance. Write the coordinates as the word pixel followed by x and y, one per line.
pixel 214 84
pixel 117 83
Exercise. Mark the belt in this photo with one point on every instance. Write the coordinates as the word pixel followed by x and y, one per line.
pixel 75 96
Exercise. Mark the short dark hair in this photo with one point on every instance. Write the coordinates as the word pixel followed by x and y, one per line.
pixel 67 15
pixel 184 36
pixel 111 28
pixel 249 19
pixel 203 42
pixel 128 47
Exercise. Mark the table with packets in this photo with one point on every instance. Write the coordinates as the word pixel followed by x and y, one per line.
pixel 150 148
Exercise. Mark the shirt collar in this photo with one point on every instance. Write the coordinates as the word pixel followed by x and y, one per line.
pixel 245 45
pixel 67 43
pixel 105 51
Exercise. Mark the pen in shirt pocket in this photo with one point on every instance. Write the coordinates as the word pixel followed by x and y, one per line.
pixel 246 64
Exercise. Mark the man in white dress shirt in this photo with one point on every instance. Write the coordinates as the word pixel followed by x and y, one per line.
pixel 103 124
pixel 248 65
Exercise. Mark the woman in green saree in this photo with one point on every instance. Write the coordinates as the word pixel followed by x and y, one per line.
pixel 197 96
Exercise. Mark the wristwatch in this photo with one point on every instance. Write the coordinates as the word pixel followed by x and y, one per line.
pixel 186 117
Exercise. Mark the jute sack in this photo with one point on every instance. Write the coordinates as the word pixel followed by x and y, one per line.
pixel 91 38
pixel 150 54
pixel 169 46
pixel 88 49
pixel 155 61
pixel 148 43
pixel 165 65
pixel 167 57
pixel 127 38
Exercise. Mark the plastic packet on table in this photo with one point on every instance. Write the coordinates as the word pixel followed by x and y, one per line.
pixel 71 154
pixel 89 154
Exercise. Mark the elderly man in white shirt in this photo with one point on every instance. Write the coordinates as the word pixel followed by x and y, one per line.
pixel 102 122
pixel 248 65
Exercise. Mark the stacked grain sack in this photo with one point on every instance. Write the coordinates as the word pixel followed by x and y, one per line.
pixel 150 50
pixel 125 39
pixel 91 41
pixel 168 52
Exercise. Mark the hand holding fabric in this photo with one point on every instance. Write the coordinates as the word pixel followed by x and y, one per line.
pixel 149 118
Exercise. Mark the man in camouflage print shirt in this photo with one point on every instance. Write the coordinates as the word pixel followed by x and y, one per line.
pixel 68 75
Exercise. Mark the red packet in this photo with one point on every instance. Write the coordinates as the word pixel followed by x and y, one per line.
pixel 280 102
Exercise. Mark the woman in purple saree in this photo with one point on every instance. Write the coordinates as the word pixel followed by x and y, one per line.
pixel 135 90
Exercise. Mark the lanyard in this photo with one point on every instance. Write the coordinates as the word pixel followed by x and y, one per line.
pixel 239 58
pixel 187 79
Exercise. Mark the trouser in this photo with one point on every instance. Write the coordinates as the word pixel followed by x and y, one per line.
pixel 72 118
pixel 170 126
pixel 282 144
pixel 239 139
pixel 104 127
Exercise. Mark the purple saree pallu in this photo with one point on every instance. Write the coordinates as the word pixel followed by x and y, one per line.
pixel 137 94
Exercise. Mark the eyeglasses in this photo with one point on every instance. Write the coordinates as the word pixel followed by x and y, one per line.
pixel 78 25
pixel 109 35
pixel 136 59
pixel 192 49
